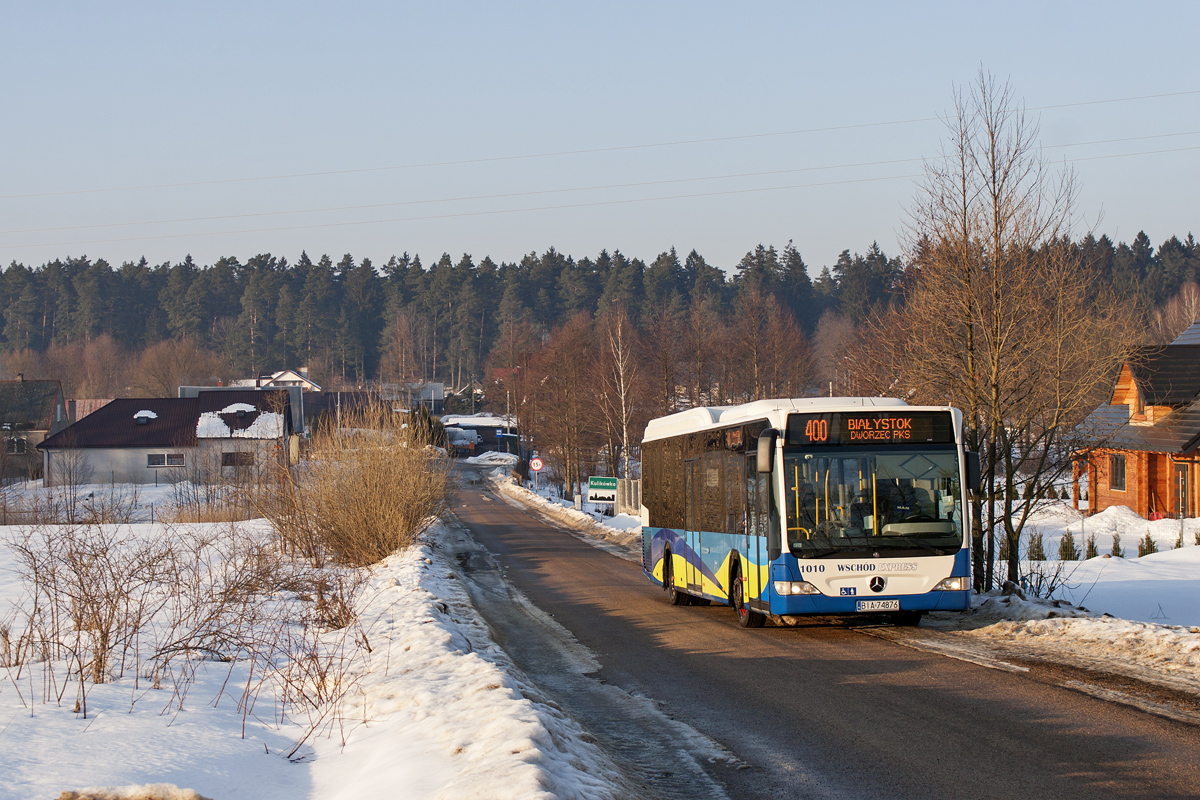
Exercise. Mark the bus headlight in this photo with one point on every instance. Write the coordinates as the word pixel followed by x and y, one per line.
pixel 959 584
pixel 795 587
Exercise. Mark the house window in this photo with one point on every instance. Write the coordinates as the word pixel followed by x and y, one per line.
pixel 164 459
pixel 174 459
pixel 1116 473
pixel 16 445
pixel 237 459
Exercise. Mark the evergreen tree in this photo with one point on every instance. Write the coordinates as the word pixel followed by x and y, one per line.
pixel 621 285
pixel 1067 550
pixel 315 325
pixel 758 271
pixel 94 292
pixel 1116 551
pixel 700 278
pixel 58 285
pixel 796 289
pixel 663 280
pixel 183 316
pixel 252 347
pixel 1147 546
pixel 1092 550
pixel 1037 548
pixel 361 319
pixel 21 311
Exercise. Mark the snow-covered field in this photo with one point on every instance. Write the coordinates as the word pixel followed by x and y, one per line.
pixel 1162 587
pixel 429 707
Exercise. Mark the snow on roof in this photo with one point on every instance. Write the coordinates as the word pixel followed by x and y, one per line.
pixel 146 413
pixel 268 425
pixel 210 426
pixel 236 407
pixel 478 421
pixel 1189 336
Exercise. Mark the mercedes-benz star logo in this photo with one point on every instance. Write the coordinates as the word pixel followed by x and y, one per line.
pixel 878 584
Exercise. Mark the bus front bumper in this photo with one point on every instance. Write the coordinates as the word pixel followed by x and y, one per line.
pixel 818 604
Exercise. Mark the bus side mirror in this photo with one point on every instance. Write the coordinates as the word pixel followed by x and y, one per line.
pixel 973 472
pixel 766 449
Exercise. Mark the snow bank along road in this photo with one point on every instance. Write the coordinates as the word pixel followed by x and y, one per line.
pixel 819 710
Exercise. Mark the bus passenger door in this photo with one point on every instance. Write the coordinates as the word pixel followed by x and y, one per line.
pixel 756 527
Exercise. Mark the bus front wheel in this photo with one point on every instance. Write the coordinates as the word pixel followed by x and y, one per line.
pixel 745 616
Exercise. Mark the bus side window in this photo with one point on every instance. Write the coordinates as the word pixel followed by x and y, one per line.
pixel 751 483
pixel 735 493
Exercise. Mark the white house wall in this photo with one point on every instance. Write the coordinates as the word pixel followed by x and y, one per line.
pixel 128 464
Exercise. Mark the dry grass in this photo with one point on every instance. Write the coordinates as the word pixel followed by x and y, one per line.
pixel 70 505
pixel 157 791
pixel 368 489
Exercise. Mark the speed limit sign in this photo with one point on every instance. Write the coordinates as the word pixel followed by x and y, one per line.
pixel 535 464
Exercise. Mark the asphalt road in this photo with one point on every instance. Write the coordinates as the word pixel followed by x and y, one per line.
pixel 819 710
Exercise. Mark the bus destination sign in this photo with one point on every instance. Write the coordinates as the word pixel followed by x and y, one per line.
pixel 870 428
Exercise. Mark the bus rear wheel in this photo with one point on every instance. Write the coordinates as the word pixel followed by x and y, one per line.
pixel 746 617
pixel 674 596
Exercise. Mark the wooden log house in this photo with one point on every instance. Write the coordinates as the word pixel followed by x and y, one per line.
pixel 1144 442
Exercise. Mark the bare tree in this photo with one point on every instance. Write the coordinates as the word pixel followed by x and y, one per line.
pixel 702 327
pixel 164 367
pixel 662 360
pixel 833 337
pixel 563 385
pixel 1174 317
pixel 621 376
pixel 789 364
pixel 400 360
pixel 1002 319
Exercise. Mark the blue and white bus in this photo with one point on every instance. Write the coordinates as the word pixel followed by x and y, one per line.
pixel 810 506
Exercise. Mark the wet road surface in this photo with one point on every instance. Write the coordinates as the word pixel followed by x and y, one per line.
pixel 818 710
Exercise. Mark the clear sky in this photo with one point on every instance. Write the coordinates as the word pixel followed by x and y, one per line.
pixel 163 129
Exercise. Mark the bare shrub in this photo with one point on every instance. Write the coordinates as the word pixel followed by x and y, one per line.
pixel 368 488
pixel 102 603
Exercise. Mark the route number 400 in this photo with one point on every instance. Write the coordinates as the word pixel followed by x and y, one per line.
pixel 817 430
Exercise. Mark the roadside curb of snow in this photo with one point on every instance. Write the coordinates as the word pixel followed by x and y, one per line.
pixel 624 544
pixel 447 714
pixel 1057 632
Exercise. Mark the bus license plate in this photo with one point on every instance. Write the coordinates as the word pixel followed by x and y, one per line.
pixel 877 605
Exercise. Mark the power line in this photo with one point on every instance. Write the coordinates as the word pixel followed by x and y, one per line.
pixel 534 193
pixel 565 206
pixel 560 153
pixel 471 213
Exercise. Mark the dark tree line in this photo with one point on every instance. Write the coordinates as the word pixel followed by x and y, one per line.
pixel 353 322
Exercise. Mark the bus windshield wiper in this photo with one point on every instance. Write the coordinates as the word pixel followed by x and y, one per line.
pixel 910 545
pixel 853 550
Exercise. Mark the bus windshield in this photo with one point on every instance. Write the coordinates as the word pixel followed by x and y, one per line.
pixel 851 502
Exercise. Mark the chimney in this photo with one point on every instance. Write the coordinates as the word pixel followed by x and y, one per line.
pixel 304 372
pixel 21 377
